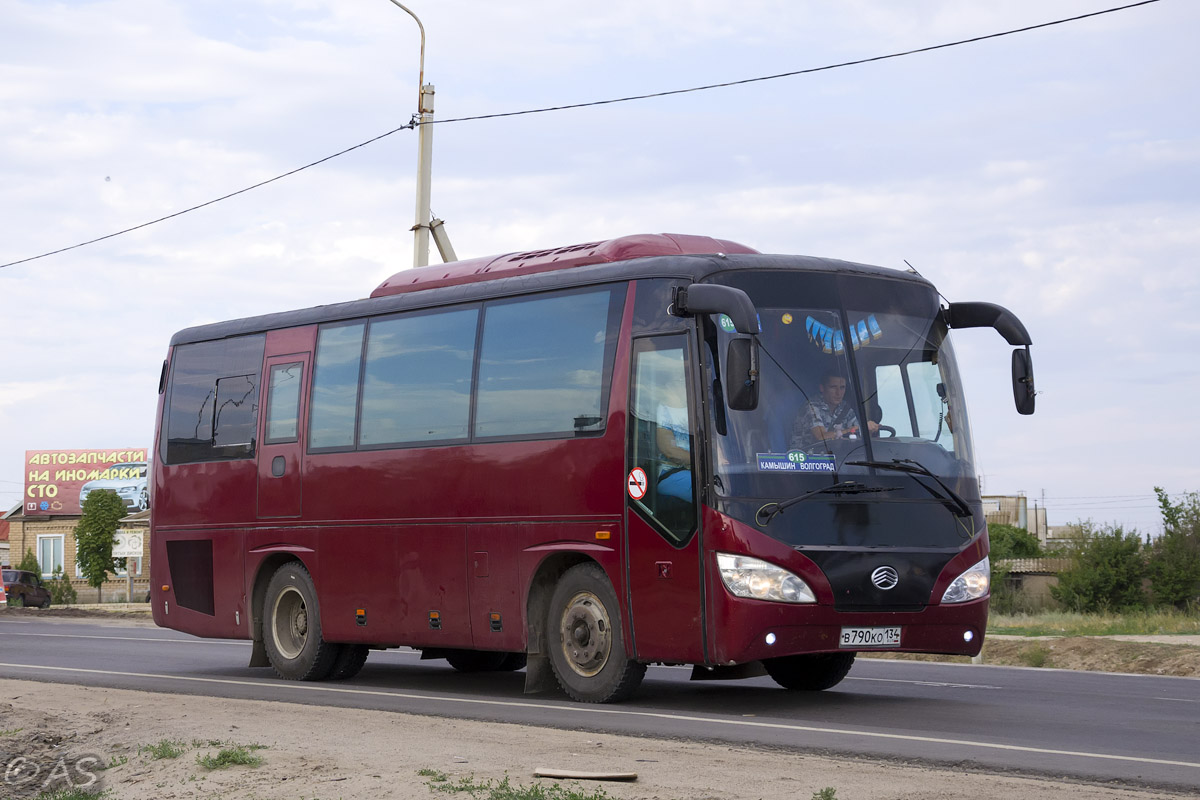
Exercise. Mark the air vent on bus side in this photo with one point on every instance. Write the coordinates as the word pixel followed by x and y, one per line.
pixel 190 562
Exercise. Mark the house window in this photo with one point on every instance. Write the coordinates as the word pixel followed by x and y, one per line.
pixel 50 554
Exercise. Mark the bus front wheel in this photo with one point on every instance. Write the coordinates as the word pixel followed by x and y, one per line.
pixel 811 673
pixel 292 627
pixel 587 648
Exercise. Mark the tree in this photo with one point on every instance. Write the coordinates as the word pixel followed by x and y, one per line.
pixel 102 512
pixel 29 563
pixel 1008 541
pixel 1106 570
pixel 1174 563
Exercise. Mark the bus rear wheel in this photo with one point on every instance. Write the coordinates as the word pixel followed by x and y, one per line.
pixel 350 659
pixel 292 627
pixel 587 648
pixel 810 673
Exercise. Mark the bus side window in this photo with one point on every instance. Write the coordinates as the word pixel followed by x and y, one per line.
pixel 283 403
pixel 335 387
pixel 662 436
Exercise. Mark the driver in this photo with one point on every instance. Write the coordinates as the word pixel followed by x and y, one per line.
pixel 827 417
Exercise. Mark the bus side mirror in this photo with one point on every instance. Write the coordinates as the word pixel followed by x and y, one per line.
pixel 988 315
pixel 741 374
pixel 710 298
pixel 1022 380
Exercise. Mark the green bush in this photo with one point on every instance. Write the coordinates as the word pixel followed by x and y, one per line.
pixel 1008 541
pixel 1004 595
pixel 1174 562
pixel 62 593
pixel 1106 572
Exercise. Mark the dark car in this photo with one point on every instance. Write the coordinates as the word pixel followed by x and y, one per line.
pixel 25 588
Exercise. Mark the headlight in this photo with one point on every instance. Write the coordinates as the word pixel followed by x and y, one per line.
pixel 758 580
pixel 971 585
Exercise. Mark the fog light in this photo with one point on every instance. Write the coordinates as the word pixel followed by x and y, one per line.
pixel 770 638
pixel 968 636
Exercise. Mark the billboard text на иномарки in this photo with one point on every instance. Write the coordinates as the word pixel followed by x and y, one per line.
pixel 56 479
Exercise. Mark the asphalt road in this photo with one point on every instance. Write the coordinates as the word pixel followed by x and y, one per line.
pixel 1141 730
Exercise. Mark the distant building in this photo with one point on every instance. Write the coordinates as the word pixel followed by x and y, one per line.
pixel 56 484
pixel 1015 510
pixel 52 540
pixel 1034 577
pixel 4 538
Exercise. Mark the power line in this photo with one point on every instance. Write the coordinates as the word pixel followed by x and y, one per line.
pixel 627 99
pixel 409 126
pixel 794 73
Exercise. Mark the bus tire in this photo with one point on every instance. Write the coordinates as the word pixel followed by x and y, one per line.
pixel 809 673
pixel 485 660
pixel 350 659
pixel 587 648
pixel 292 627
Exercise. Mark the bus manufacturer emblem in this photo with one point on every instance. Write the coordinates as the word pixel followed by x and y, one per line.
pixel 885 578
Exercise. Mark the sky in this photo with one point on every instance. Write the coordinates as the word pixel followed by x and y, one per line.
pixel 1054 172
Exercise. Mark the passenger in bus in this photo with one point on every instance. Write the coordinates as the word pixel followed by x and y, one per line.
pixel 674 448
pixel 829 416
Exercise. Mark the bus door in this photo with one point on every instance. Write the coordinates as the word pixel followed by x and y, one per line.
pixel 279 454
pixel 663 564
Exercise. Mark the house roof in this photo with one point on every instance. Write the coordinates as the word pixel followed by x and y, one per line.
pixel 1047 566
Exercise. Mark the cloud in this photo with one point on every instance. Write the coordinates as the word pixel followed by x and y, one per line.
pixel 1051 172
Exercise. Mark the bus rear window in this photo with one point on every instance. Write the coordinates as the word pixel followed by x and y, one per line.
pixel 212 410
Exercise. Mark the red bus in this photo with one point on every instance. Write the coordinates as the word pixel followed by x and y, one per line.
pixel 580 461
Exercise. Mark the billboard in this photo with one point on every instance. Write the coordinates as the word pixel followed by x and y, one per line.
pixel 57 481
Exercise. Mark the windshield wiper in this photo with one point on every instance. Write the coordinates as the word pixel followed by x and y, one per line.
pixel 764 517
pixel 951 499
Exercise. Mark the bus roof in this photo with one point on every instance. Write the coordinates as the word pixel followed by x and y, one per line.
pixel 488 268
pixel 607 262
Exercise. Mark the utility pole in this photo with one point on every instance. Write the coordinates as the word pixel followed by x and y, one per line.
pixel 423 119
pixel 424 166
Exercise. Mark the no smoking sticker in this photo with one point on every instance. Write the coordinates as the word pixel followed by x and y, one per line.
pixel 637 483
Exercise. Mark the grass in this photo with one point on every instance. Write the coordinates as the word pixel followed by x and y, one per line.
pixel 504 790
pixel 1065 623
pixel 72 794
pixel 1035 656
pixel 234 755
pixel 164 749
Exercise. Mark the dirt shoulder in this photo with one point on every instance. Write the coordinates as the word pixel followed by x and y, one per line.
pixel 345 753
pixel 54 729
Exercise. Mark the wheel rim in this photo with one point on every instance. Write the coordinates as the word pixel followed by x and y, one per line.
pixel 586 634
pixel 289 623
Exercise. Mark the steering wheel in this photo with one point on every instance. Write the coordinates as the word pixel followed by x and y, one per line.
pixel 889 429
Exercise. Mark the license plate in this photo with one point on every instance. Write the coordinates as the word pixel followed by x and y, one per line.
pixel 870 637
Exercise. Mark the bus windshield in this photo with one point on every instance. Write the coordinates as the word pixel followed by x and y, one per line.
pixel 856 372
